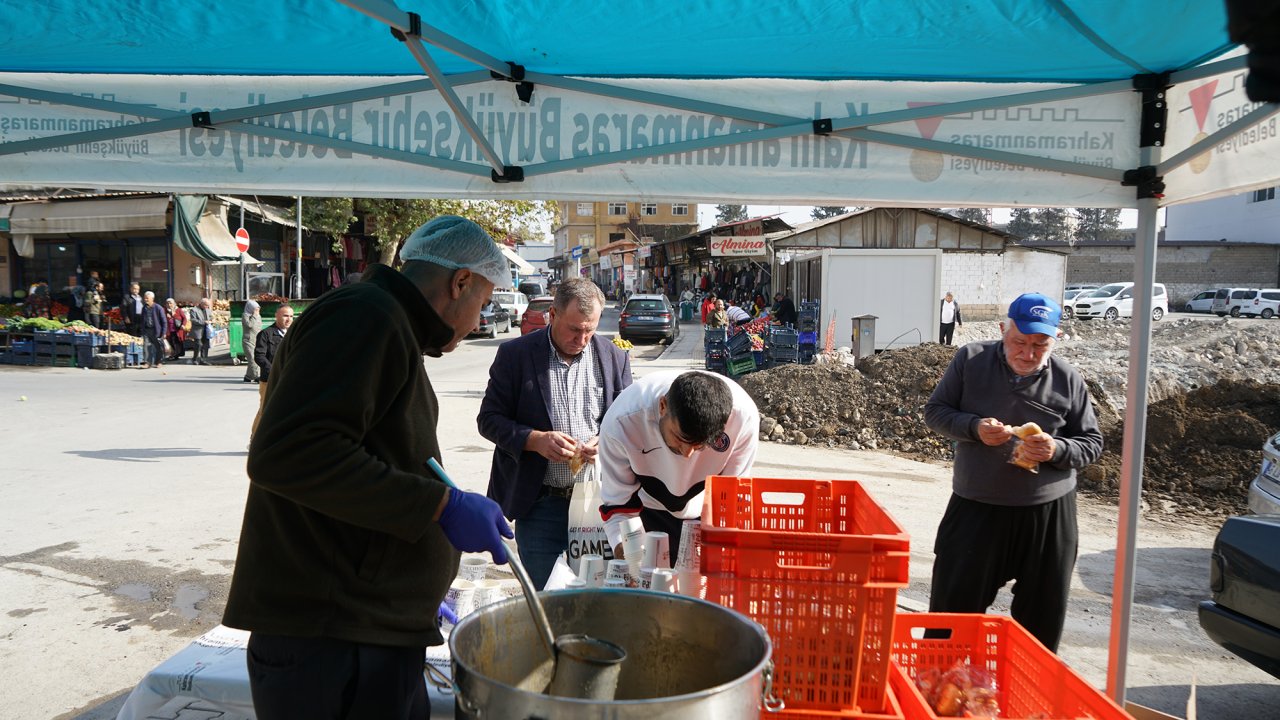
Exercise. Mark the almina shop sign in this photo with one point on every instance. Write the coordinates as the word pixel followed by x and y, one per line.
pixel 737 246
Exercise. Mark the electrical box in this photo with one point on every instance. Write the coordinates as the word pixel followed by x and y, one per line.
pixel 196 275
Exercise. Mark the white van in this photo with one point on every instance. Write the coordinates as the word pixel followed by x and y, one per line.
pixel 1232 301
pixel 1116 301
pixel 1266 306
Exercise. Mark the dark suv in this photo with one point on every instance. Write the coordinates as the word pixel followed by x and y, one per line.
pixel 649 316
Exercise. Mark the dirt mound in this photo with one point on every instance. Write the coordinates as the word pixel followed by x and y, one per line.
pixel 1203 441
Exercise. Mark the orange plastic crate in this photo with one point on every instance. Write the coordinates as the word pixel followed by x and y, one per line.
pixel 893 709
pixel 1031 682
pixel 818 563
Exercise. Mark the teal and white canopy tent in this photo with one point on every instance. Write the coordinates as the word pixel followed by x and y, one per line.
pixel 1074 103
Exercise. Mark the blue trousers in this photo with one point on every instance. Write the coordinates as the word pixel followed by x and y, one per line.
pixel 542 535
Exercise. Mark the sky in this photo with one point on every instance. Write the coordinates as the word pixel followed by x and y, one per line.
pixel 797 214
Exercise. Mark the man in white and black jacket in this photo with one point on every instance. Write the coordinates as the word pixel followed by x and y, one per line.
pixel 1005 522
pixel 949 318
pixel 660 440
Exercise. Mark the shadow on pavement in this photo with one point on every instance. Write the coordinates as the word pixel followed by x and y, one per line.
pixel 1154 569
pixel 150 454
pixel 1172 699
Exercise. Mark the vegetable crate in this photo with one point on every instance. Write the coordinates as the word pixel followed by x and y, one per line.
pixel 1030 681
pixel 818 563
pixel 894 709
pixel 741 366
pixel 739 344
pixel 713 335
pixel 784 354
pixel 784 337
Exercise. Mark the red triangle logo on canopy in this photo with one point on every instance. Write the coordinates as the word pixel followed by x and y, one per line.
pixel 926 126
pixel 1201 98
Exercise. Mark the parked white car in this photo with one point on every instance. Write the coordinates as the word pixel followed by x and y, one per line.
pixel 1202 302
pixel 1069 297
pixel 1116 301
pixel 1266 305
pixel 515 303
pixel 1232 301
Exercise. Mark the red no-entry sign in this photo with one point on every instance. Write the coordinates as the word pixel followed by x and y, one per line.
pixel 242 240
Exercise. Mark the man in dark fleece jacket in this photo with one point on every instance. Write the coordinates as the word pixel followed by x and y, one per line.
pixel 1005 522
pixel 349 541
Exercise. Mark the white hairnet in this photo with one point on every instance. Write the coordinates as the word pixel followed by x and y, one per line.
pixel 454 242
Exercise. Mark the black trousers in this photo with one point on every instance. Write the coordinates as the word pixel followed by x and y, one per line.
pixel 327 679
pixel 945 332
pixel 980 547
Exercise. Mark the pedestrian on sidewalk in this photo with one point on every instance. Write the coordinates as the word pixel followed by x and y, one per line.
pixel 154 325
pixel 250 326
pixel 349 540
pixel 264 354
pixel 1006 522
pixel 200 318
pixel 950 314
pixel 177 324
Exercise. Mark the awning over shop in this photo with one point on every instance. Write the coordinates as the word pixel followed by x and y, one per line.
pixel 270 213
pixel 75 217
pixel 200 228
pixel 521 264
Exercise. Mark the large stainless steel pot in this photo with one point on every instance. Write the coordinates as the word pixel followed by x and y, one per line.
pixel 686 658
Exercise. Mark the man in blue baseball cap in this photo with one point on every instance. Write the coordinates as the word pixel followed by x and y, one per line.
pixel 1023 425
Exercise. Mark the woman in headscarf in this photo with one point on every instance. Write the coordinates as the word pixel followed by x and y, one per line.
pixel 250 325
pixel 176 332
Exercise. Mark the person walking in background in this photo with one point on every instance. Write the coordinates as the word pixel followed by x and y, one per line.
pixel 200 318
pixel 264 353
pixel 950 319
pixel 546 396
pixel 250 326
pixel 93 299
pixel 154 325
pixel 131 310
pixel 1008 521
pixel 349 541
pixel 177 329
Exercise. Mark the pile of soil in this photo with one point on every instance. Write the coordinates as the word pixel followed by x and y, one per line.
pixel 1208 415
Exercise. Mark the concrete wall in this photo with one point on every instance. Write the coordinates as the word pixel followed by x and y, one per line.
pixel 1238 218
pixel 1184 270
pixel 985 283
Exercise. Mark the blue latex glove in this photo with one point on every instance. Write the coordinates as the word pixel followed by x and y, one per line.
pixel 473 523
pixel 447 613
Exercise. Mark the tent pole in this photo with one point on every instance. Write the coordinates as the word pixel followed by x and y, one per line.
pixel 297 266
pixel 1135 433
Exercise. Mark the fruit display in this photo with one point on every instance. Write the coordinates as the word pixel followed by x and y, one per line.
pixel 8 311
pixel 624 344
pixel 222 305
pixel 269 297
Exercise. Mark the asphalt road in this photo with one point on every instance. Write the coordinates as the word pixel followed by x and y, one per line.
pixel 123 494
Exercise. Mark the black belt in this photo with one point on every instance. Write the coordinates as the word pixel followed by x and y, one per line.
pixel 561 492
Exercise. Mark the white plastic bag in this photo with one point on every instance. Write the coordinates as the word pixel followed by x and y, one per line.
pixel 586 527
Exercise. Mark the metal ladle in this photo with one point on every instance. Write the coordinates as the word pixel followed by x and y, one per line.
pixel 581 666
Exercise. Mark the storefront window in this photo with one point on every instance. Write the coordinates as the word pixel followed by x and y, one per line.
pixel 54 263
pixel 149 266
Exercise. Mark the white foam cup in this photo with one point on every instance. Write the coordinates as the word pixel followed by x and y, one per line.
pixel 473 567
pixel 646 578
pixel 633 543
pixel 657 550
pixel 461 597
pixel 488 592
pixel 663 580
pixel 592 570
pixel 690 583
pixel 690 552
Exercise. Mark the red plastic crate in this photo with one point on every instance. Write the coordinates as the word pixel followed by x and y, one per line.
pixel 893 709
pixel 1031 682
pixel 818 563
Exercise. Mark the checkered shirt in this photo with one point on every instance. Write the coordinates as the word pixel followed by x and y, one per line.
pixel 577 406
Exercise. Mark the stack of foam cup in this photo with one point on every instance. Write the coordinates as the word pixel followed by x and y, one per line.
pixel 618 570
pixel 657 554
pixel 591 570
pixel 461 597
pixel 633 543
pixel 688 560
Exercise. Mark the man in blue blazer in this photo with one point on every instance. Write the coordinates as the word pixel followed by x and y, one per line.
pixel 547 393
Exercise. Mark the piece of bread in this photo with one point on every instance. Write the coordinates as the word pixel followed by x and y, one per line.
pixel 1027 430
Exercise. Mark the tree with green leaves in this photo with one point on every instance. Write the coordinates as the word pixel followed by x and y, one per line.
pixel 730 213
pixel 1097 224
pixel 822 212
pixel 327 215
pixel 393 219
pixel 1055 224
pixel 982 216
pixel 1024 224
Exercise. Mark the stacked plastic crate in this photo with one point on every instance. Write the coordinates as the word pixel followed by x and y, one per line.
pixel 714 349
pixel 807 325
pixel 783 345
pixel 739 359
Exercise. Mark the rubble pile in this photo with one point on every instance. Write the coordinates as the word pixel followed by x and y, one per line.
pixel 1214 398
